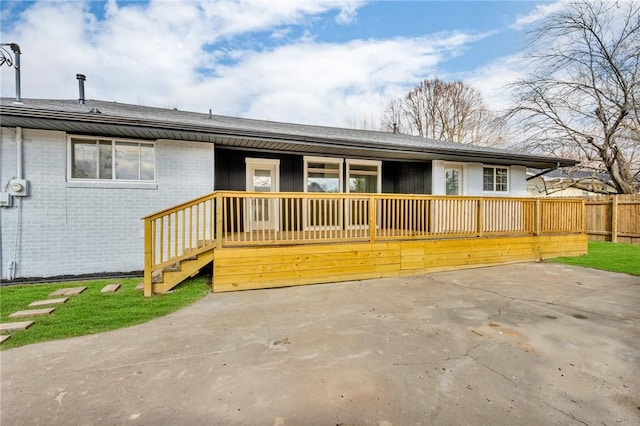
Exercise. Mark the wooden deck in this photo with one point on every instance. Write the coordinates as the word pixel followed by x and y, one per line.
pixel 259 240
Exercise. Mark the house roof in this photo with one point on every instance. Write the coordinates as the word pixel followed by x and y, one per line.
pixel 103 118
pixel 572 175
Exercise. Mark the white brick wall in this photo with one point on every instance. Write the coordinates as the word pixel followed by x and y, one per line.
pixel 69 228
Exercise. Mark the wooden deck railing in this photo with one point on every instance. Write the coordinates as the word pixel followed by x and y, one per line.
pixel 178 233
pixel 234 218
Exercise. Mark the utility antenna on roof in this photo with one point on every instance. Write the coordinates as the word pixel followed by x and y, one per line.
pixel 5 58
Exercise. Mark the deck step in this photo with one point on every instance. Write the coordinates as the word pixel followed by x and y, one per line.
pixel 169 277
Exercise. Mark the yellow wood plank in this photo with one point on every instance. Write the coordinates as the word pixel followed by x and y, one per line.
pixel 217 287
pixel 276 256
pixel 250 268
pixel 310 273
pixel 306 248
pixel 226 268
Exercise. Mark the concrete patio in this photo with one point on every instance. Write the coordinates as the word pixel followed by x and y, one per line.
pixel 529 343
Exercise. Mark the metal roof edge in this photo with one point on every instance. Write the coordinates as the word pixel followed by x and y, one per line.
pixel 230 132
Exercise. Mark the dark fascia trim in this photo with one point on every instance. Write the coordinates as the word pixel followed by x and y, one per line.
pixel 225 132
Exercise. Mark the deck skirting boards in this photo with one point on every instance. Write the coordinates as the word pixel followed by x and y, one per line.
pixel 265 267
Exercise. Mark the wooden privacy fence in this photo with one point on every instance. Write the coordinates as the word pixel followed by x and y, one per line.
pixel 613 218
pixel 230 219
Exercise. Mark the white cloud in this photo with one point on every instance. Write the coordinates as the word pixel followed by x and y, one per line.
pixel 494 79
pixel 159 54
pixel 348 12
pixel 540 12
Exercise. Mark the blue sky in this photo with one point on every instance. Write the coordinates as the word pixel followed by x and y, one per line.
pixel 328 62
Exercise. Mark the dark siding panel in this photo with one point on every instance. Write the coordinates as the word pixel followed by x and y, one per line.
pixel 406 178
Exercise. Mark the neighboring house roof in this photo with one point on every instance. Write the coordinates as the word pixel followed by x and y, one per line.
pixel 133 121
pixel 564 174
pixel 563 179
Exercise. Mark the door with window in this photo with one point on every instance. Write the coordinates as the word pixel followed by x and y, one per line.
pixel 453 179
pixel 262 213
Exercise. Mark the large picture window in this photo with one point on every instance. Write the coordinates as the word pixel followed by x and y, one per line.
pixel 111 159
pixel 495 179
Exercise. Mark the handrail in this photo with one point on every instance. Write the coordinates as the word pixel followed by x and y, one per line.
pixel 239 218
pixel 179 206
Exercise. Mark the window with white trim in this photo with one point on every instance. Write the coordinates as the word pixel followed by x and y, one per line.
pixel 111 160
pixel 363 176
pixel 495 179
pixel 322 174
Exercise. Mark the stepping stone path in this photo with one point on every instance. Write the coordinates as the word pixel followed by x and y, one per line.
pixel 111 288
pixel 48 302
pixel 23 325
pixel 13 326
pixel 32 312
pixel 72 291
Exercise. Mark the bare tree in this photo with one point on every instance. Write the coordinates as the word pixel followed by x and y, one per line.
pixel 582 95
pixel 442 110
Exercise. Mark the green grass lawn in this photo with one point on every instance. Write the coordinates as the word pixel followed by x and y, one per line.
pixel 612 257
pixel 91 311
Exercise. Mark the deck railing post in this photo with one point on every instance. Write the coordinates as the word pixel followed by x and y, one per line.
pixel 372 219
pixel 148 257
pixel 480 217
pixel 219 219
pixel 536 225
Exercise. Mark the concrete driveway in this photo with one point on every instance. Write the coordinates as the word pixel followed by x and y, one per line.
pixel 530 343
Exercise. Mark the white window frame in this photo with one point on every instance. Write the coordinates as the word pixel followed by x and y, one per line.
pixel 463 177
pixel 273 203
pixel 253 163
pixel 113 180
pixel 495 191
pixel 375 163
pixel 354 161
pixel 329 160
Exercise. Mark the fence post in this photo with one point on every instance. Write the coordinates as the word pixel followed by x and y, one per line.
pixel 480 217
pixel 372 219
pixel 536 225
pixel 583 206
pixel 148 257
pixel 614 219
pixel 219 221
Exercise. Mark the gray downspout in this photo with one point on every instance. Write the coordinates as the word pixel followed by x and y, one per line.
pixel 19 152
pixel 13 265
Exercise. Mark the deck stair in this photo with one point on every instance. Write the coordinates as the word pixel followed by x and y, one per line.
pixel 170 276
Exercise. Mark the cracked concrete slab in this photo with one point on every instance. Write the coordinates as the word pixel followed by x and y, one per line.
pixel 531 343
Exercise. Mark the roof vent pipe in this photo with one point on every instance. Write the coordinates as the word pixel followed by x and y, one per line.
pixel 81 78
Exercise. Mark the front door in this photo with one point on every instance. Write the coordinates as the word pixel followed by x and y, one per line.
pixel 262 176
